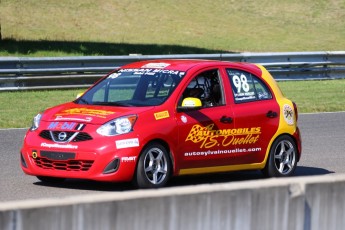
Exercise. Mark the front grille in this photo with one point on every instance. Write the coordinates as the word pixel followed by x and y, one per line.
pixel 82 137
pixel 54 136
pixel 69 165
pixel 46 135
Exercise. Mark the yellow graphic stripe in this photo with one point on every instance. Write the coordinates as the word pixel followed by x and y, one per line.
pixel 283 127
pixel 225 168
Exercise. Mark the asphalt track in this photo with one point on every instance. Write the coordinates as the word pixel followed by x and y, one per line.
pixel 323 137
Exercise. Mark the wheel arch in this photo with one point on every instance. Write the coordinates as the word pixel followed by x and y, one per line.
pixel 293 138
pixel 274 139
pixel 141 181
pixel 167 148
pixel 267 170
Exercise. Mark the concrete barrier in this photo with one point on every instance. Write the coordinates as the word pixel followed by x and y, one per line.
pixel 309 203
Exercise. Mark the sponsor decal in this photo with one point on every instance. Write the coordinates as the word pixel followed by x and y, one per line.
pixel 62 125
pixel 288 114
pixel 128 159
pixel 114 75
pixel 244 97
pixel 220 152
pixel 151 71
pixel 209 137
pixel 243 90
pixel 159 65
pixel 55 125
pixel 85 111
pixel 59 146
pixel 127 143
pixel 60 118
pixel 162 115
pixel 34 154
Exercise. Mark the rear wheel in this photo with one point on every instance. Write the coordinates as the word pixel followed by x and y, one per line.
pixel 48 179
pixel 154 167
pixel 282 160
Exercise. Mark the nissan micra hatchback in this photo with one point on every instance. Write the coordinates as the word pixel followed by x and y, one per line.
pixel 148 121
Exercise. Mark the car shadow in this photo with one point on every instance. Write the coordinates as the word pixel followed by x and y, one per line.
pixel 311 171
pixel 240 176
pixel 79 184
pixel 180 181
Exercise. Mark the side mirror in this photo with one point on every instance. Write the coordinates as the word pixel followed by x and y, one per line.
pixel 190 103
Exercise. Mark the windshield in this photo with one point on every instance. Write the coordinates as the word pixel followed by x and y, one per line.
pixel 133 87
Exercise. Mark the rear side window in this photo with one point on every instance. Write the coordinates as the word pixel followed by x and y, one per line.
pixel 247 87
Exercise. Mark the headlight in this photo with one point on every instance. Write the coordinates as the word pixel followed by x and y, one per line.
pixel 118 126
pixel 36 122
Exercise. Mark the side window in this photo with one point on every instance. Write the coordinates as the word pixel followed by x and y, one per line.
pixel 206 86
pixel 261 90
pixel 247 87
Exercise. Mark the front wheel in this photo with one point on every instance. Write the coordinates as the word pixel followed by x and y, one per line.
pixel 282 160
pixel 154 167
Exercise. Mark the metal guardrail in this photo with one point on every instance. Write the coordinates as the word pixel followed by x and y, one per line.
pixel 20 73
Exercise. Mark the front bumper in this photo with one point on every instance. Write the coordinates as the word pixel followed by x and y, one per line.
pixel 96 159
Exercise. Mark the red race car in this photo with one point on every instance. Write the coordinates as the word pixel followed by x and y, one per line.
pixel 148 121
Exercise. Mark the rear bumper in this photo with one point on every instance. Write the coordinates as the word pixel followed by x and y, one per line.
pixel 298 139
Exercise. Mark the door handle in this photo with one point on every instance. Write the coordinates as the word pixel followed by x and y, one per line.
pixel 226 120
pixel 271 114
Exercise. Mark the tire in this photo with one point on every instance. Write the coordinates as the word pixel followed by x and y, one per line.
pixel 47 179
pixel 153 168
pixel 282 160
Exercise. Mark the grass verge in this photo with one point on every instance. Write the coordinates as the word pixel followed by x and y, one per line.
pixel 117 27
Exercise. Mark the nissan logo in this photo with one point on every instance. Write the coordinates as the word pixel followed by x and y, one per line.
pixel 62 136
